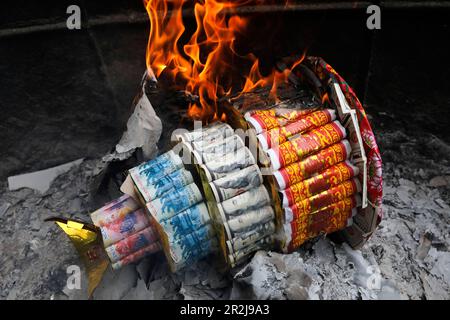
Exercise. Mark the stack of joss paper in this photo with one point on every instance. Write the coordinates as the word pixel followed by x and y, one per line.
pixel 309 156
pixel 176 204
pixel 236 183
pixel 126 230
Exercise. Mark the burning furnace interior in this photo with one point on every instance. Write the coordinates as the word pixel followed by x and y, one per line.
pixel 210 149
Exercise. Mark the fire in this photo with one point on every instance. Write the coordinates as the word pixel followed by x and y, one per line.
pixel 255 79
pixel 203 65
pixel 325 99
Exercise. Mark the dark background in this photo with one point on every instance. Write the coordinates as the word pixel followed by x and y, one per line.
pixel 66 94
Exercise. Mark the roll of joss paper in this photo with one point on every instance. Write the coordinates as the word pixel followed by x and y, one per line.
pixel 212 176
pixel 306 144
pixel 186 221
pixel 232 162
pixel 308 167
pixel 222 148
pixel 243 254
pixel 276 136
pixel 236 183
pixel 327 179
pixel 323 199
pixel 159 167
pixel 194 239
pixel 247 238
pixel 124 227
pixel 151 189
pixel 211 136
pixel 138 255
pixel 130 245
pixel 193 246
pixel 263 120
pixel 290 114
pixel 326 213
pixel 334 214
pixel 114 210
pixel 338 222
pixel 250 220
pixel 249 200
pixel 182 258
pixel 174 202
pixel 207 134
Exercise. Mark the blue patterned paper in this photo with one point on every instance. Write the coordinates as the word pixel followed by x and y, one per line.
pixel 175 180
pixel 185 222
pixel 166 157
pixel 158 171
pixel 193 241
pixel 177 201
pixel 195 245
pixel 160 166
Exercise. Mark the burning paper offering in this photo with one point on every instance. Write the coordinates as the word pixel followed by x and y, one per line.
pixel 212 150
pixel 257 162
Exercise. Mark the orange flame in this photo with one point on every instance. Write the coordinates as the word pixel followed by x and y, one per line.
pixel 203 68
pixel 325 99
pixel 255 79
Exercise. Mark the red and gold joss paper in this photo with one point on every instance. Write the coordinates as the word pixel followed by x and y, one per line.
pixel 299 171
pixel 304 145
pixel 327 179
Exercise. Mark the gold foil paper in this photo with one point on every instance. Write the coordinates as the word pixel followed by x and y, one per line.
pixel 87 240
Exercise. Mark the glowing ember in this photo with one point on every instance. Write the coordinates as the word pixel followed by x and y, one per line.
pixel 204 67
pixel 325 99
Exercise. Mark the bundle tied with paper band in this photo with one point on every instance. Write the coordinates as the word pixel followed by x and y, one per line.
pixel 236 188
pixel 176 204
pixel 309 157
pixel 126 230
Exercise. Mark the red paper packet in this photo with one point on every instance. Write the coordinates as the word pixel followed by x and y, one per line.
pixel 329 178
pixel 306 144
pixel 276 136
pixel 263 120
pixel 299 171
pixel 323 199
